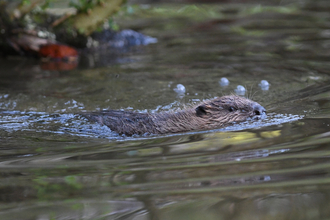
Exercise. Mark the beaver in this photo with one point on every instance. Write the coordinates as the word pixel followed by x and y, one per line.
pixel 210 114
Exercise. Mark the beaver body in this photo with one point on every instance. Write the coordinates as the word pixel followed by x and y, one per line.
pixel 211 114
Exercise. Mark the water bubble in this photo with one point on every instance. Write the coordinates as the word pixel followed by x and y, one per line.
pixel 240 90
pixel 264 85
pixel 180 89
pixel 224 81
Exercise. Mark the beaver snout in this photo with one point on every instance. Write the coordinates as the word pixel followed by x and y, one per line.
pixel 259 111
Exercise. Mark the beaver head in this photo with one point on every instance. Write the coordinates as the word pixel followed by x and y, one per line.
pixel 228 109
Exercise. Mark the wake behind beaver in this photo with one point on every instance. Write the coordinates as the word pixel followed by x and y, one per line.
pixel 211 114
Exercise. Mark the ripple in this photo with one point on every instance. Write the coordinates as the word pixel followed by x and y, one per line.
pixel 76 125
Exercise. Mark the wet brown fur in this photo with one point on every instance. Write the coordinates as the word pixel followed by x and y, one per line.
pixel 215 113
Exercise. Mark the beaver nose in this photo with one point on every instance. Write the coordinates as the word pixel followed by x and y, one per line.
pixel 259 110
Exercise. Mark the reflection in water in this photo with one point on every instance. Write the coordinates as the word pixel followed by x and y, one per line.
pixel 277 176
pixel 56 165
pixel 58 65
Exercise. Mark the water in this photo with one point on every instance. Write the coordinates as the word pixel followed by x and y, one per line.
pixel 54 164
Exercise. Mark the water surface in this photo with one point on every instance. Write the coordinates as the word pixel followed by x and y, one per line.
pixel 54 164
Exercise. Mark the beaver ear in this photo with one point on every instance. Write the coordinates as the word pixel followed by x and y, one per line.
pixel 201 110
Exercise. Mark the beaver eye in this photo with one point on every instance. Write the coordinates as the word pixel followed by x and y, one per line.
pixel 231 109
